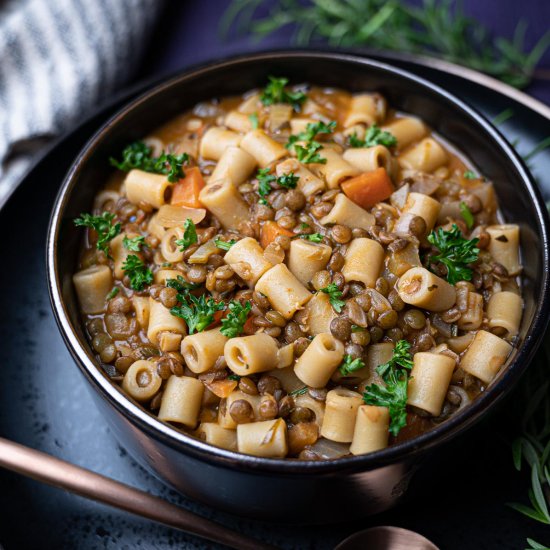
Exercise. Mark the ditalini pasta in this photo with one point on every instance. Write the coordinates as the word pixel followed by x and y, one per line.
pixel 299 269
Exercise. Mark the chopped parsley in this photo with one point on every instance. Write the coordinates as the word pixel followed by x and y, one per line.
pixel 394 394
pixel 467 215
pixel 134 244
pixel 313 237
pixel 350 365
pixel 189 235
pixel 254 120
pixel 181 285
pixel 275 92
pixel 289 181
pixel 235 377
pixel 114 291
pixel 198 313
pixel 304 226
pixel 455 253
pixel 103 226
pixel 373 136
pixel 401 358
pixel 233 323
pixel 264 178
pixel 309 154
pixel 334 296
pixel 138 273
pixel 469 175
pixel 138 155
pixel 224 245
pixel 299 391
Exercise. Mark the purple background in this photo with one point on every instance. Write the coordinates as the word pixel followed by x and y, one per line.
pixel 187 33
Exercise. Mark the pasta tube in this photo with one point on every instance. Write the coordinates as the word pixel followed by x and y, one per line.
pixel 181 400
pixel 335 169
pixel 153 189
pixel 426 156
pixel 214 434
pixel 421 205
pixel 340 415
pixel 142 381
pixel 320 313
pixel 429 382
pixel 367 159
pixel 161 320
pixel 371 430
pixel 306 258
pixel 363 261
pixel 504 246
pixel 421 288
pixel 225 202
pixel 92 286
pixel 308 183
pixel 265 439
pixel 246 258
pixel 201 350
pixel 264 149
pixel 346 212
pixel 216 140
pixel 406 130
pixel 250 354
pixel 284 291
pixel 504 312
pixel 485 355
pixel 319 361
pixel 235 165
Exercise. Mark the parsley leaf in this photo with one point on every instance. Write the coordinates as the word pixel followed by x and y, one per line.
pixel 275 92
pixel 233 323
pixel 289 181
pixel 224 245
pixel 189 235
pixel 103 226
pixel 134 244
pixel 469 175
pixel 373 136
pixel 264 178
pixel 401 358
pixel 235 377
pixel 455 253
pixel 467 215
pixel 139 155
pixel 198 313
pixel 334 295
pixel 313 237
pixel 309 154
pixel 138 273
pixel 350 365
pixel 181 285
pixel 254 120
pixel 394 394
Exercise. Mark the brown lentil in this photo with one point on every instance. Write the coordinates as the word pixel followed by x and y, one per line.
pixel 340 327
pixel 241 411
pixel 340 234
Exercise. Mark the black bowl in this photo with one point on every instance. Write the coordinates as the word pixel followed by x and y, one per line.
pixel 292 490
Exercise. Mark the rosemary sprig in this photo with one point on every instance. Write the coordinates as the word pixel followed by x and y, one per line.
pixel 436 27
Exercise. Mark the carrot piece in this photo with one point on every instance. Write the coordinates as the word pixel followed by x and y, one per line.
pixel 369 188
pixel 221 388
pixel 186 191
pixel 270 231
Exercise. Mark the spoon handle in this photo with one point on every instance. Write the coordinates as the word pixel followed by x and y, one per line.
pixel 57 472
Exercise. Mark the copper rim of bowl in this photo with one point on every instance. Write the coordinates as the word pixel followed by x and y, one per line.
pixel 452 427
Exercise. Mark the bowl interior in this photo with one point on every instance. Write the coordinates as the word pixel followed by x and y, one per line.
pixel 519 199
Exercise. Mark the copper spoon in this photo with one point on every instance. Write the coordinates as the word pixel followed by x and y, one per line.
pixel 386 538
pixel 56 472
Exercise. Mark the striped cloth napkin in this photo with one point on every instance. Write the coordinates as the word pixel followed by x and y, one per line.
pixel 59 60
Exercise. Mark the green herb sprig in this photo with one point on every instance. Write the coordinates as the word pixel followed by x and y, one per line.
pixel 350 365
pixel 373 136
pixel 394 394
pixel 334 296
pixel 299 391
pixel 308 153
pixel 138 273
pixel 103 226
pixel 276 92
pixel 312 237
pixel 224 245
pixel 455 253
pixel 439 28
pixel 139 156
pixel 467 215
pixel 189 235
pixel 266 178
pixel 198 313
pixel 181 285
pixel 134 244
pixel 233 323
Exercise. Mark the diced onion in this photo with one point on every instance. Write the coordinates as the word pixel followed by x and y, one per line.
pixel 328 449
pixel 203 253
pixel 174 216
